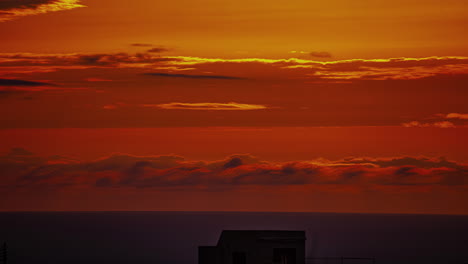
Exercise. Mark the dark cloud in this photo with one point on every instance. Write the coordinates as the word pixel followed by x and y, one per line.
pixel 194 76
pixel 21 168
pixel 17 8
pixel 16 82
pixel 405 161
pixel 71 60
pixel 320 54
pixel 15 152
pixel 233 162
pixel 103 182
pixel 157 50
pixel 23 4
pixel 119 162
pixel 111 59
pixel 141 45
pixel 12 87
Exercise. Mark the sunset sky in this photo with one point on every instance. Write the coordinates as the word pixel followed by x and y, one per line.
pixel 246 105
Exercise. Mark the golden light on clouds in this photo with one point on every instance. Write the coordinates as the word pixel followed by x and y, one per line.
pixel 457 116
pixel 34 8
pixel 208 106
pixel 206 79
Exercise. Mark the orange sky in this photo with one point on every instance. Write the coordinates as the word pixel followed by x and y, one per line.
pixel 347 29
pixel 282 83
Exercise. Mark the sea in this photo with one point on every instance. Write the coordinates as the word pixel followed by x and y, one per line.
pixel 174 237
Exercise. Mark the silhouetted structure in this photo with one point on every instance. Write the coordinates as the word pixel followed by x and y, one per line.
pixel 255 247
pixel 4 254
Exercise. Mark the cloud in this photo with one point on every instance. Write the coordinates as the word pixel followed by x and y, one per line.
pixel 110 106
pixel 193 76
pixel 80 61
pixel 10 87
pixel 16 82
pixel 16 86
pixel 353 69
pixel 457 116
pixel 314 54
pixel 419 162
pixel 20 168
pixel 114 106
pixel 141 45
pixel 441 124
pixel 298 52
pixel 208 106
pixel 450 120
pixel 189 106
pixel 10 9
pixel 157 50
pixel 320 54
pixel 250 68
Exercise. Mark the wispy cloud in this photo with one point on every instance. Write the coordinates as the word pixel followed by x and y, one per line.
pixel 141 45
pixel 16 82
pixel 10 9
pixel 314 54
pixel 457 116
pixel 104 60
pixel 157 50
pixel 10 87
pixel 440 124
pixel 159 74
pixel 249 68
pixel 449 120
pixel 208 106
pixel 114 106
pixel 320 54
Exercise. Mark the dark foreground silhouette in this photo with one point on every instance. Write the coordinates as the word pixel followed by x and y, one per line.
pixel 174 237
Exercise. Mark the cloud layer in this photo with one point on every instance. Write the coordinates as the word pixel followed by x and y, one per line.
pixel 304 92
pixel 250 68
pixel 208 106
pixel 16 82
pixel 10 9
pixel 158 74
pixel 441 124
pixel 450 120
pixel 21 168
pixel 457 116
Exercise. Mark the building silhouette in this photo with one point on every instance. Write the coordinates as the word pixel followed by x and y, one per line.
pixel 255 247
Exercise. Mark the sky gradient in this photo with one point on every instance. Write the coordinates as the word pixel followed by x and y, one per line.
pixel 336 106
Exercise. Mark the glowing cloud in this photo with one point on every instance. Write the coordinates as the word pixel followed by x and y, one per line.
pixel 441 124
pixel 320 54
pixel 328 71
pixel 12 9
pixel 207 106
pixel 457 116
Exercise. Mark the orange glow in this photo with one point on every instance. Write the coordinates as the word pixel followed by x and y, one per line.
pixel 354 101
pixel 208 106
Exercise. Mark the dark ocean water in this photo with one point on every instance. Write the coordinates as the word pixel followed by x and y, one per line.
pixel 173 237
